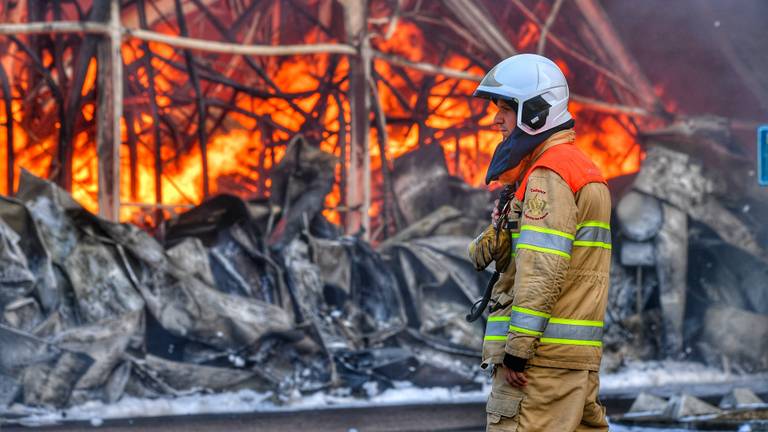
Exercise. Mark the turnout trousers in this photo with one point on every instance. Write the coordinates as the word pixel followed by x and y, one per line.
pixel 555 400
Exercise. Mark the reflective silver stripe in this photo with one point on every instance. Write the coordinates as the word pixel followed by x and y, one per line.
pixel 528 322
pixel 497 328
pixel 593 234
pixel 573 332
pixel 546 241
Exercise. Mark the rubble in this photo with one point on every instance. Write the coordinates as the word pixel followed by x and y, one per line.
pixel 741 409
pixel 648 404
pixel 723 324
pixel 672 270
pixel 422 184
pixel 235 295
pixel 685 405
pixel 268 295
pixel 741 398
pixel 687 252
pixel 641 216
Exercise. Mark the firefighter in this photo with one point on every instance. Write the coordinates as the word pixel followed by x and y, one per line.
pixel 543 335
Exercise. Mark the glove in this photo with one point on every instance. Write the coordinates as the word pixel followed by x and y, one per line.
pixel 485 249
pixel 517 364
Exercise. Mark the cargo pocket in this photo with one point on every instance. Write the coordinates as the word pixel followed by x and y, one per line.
pixel 503 411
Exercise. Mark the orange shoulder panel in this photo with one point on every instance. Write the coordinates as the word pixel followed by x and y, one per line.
pixel 570 163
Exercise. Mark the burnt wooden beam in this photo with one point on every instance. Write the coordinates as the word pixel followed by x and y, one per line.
pixel 229 36
pixel 426 68
pixel 158 12
pixel 390 206
pixel 7 97
pixel 359 178
pixel 58 47
pixel 236 48
pixel 60 27
pixel 133 157
pixel 341 142
pixel 153 111
pixel 38 66
pixel 401 100
pixel 100 13
pixel 108 115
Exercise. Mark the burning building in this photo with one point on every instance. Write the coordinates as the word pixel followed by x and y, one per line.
pixel 245 138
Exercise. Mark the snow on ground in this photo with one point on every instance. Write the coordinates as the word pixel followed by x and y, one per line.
pixel 660 373
pixel 635 375
pixel 404 393
pixel 620 428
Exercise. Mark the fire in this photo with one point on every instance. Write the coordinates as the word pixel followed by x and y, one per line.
pixel 251 138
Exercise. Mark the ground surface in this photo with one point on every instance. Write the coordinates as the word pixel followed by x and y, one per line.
pixel 452 417
pixel 404 408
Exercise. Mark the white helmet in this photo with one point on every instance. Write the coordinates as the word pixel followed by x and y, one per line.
pixel 534 83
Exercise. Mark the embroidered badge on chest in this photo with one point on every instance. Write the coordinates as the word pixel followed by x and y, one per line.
pixel 536 207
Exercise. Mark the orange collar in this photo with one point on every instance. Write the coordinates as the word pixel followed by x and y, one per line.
pixel 563 137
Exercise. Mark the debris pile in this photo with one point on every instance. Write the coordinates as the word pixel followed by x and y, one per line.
pixel 738 408
pixel 262 295
pixel 690 258
pixel 269 295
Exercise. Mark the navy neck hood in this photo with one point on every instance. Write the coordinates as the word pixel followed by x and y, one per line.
pixel 517 146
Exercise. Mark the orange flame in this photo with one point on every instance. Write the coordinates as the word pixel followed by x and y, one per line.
pixel 250 142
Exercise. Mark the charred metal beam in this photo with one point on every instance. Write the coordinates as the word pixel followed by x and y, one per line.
pixel 201 109
pixel 601 24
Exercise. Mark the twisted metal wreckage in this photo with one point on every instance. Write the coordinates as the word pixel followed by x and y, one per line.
pixel 95 309
pixel 268 295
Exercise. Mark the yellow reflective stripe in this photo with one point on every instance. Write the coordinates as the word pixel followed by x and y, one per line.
pixel 514 236
pixel 530 312
pixel 587 323
pixel 544 250
pixel 571 342
pixel 592 244
pixel 526 331
pixel 546 231
pixel 593 224
pixel 499 318
pixel 495 338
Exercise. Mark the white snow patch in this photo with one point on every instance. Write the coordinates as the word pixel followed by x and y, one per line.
pixel 659 373
pixel 404 393
pixel 620 428
pixel 237 361
pixel 130 407
pixel 371 388
pixel 634 375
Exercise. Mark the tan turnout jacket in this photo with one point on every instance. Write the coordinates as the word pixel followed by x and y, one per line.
pixel 549 303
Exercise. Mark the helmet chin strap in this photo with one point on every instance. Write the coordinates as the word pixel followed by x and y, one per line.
pixel 515 148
